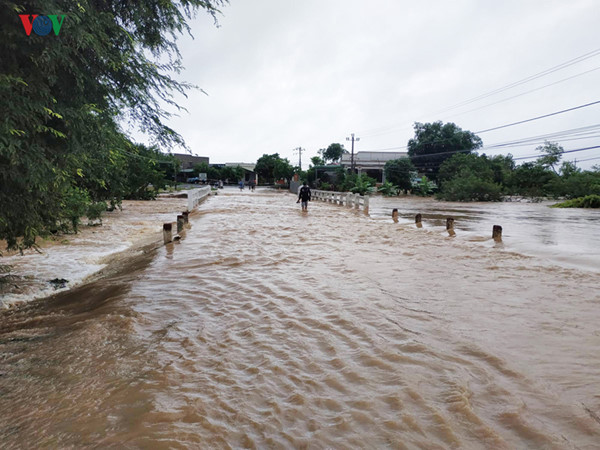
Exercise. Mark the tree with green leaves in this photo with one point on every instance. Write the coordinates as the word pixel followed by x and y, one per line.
pixel 63 96
pixel 400 172
pixel 551 155
pixel 468 177
pixel 273 167
pixel 333 153
pixel 436 142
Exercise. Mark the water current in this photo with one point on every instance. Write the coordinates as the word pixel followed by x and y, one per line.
pixel 267 327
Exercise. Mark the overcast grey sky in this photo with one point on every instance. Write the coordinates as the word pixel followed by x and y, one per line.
pixel 282 74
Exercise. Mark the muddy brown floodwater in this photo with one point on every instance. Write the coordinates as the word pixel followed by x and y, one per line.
pixel 268 328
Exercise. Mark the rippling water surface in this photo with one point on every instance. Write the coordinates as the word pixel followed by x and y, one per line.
pixel 266 327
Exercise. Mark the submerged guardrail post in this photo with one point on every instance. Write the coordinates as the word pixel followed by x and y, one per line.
pixel 497 233
pixel 180 223
pixel 418 218
pixel 366 204
pixel 167 232
pixel 395 214
pixel 357 201
pixel 450 226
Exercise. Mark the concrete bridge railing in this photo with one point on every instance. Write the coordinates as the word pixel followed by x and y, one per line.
pixel 348 199
pixel 195 196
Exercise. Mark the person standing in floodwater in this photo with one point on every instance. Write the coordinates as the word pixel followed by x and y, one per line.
pixel 304 195
pixel 241 184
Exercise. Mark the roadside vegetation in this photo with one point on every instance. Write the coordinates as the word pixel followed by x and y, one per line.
pixel 65 98
pixel 589 201
pixel 443 161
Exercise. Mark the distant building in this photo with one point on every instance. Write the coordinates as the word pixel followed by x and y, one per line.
pixel 371 163
pixel 187 164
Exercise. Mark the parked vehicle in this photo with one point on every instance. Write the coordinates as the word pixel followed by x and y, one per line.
pixel 194 180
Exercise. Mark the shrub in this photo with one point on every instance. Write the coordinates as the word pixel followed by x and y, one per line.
pixel 589 201
pixel 388 189
pixel 471 188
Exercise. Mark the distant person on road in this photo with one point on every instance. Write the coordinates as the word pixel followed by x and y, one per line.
pixel 241 184
pixel 304 196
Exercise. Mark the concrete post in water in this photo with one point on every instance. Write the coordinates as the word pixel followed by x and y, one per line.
pixel 348 199
pixel 497 233
pixel 418 220
pixel 357 201
pixel 167 232
pixel 395 214
pixel 180 223
pixel 450 226
pixel 366 204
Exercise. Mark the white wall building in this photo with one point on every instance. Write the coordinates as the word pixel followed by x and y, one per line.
pixel 371 163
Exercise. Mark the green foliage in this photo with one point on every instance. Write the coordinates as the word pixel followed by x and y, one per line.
pixel 363 185
pixel 317 161
pixel 62 99
pixel 470 188
pixel 436 142
pixel 400 173
pixel 589 201
pixel 574 183
pixel 531 180
pixel 283 170
pixel 75 204
pixel 333 153
pixel 552 152
pixel 94 212
pixel 471 178
pixel 272 167
pixel 425 187
pixel 388 189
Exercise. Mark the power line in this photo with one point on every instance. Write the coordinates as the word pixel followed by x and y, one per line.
pixel 524 80
pixel 588 159
pixel 539 117
pixel 525 93
pixel 587 132
pixel 591 54
pixel 561 153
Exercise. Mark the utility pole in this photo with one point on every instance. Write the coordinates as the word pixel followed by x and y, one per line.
pixel 300 150
pixel 352 156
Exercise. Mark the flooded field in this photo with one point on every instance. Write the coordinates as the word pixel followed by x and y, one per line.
pixel 266 327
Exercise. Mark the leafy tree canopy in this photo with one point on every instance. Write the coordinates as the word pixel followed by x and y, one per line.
pixel 333 153
pixel 273 167
pixel 551 155
pixel 435 142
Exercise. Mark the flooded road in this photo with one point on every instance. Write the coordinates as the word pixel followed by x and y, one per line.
pixel 265 327
pixel 564 236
